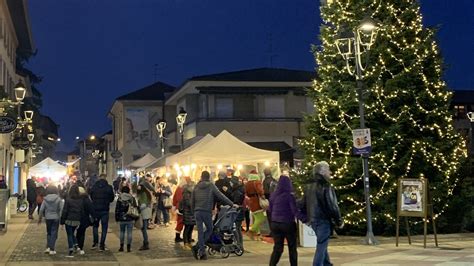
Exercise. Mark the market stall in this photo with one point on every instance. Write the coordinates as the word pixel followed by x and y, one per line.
pixel 141 162
pixel 48 169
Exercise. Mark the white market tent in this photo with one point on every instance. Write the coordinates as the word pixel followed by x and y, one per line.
pixel 48 168
pixel 184 155
pixel 146 159
pixel 225 149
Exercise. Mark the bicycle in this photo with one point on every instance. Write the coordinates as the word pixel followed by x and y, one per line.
pixel 22 203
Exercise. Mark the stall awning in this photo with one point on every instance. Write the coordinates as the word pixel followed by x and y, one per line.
pixel 146 159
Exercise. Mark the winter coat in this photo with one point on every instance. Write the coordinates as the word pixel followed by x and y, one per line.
pixel 89 214
pixel 283 203
pixel 124 202
pixel 102 194
pixel 204 194
pixel 238 196
pixel 51 207
pixel 220 184
pixel 145 193
pixel 185 205
pixel 269 185
pixel 40 193
pixel 73 210
pixel 320 201
pixel 164 194
pixel 253 189
pixel 177 197
pixel 31 190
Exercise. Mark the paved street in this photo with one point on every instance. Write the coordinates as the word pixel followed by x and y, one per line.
pixel 24 242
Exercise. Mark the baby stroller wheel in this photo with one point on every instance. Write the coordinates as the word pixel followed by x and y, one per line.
pixel 224 253
pixel 211 251
pixel 239 251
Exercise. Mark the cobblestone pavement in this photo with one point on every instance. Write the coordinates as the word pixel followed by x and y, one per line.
pixel 454 250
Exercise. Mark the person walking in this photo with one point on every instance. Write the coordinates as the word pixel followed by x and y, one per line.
pixel 145 192
pixel 238 197
pixel 164 202
pixel 31 196
pixel 125 201
pixel 322 211
pixel 283 213
pixel 177 198
pixel 202 203
pixel 269 186
pixel 40 193
pixel 51 211
pixel 88 219
pixel 102 194
pixel 186 210
pixel 254 190
pixel 72 216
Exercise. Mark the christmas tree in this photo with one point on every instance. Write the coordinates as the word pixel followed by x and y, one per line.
pixel 406 108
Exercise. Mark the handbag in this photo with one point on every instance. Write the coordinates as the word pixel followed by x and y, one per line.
pixel 263 202
pixel 168 202
pixel 133 212
pixel 138 224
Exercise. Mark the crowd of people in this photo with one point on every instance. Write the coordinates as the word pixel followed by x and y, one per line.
pixel 150 202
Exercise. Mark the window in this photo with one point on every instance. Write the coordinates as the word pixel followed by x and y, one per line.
pixel 274 107
pixel 224 107
pixel 460 112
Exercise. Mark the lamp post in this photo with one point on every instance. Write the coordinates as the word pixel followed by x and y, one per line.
pixel 180 120
pixel 470 116
pixel 161 129
pixel 352 44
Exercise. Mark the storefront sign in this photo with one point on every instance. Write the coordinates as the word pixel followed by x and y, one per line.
pixel 7 124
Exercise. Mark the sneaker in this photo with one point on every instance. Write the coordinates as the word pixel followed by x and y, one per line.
pixel 70 254
pixel 81 252
pixel 76 247
pixel 52 252
pixel 203 257
pixel 94 246
pixel 102 249
pixel 47 250
pixel 195 251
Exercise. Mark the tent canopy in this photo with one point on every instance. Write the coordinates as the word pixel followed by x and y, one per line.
pixel 224 149
pixel 178 157
pixel 48 168
pixel 146 159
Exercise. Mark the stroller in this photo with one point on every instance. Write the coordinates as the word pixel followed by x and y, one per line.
pixel 224 236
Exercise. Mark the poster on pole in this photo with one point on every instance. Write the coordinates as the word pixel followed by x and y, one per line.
pixel 412 197
pixel 361 141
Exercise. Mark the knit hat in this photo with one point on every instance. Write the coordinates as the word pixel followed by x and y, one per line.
pixel 253 176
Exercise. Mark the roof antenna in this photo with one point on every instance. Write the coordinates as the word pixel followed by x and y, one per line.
pixel 272 55
pixel 155 72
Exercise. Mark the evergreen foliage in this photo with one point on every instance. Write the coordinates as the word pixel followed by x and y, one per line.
pixel 407 110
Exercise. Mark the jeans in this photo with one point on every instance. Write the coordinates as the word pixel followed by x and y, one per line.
pixel 280 231
pixel 103 218
pixel 322 228
pixel 203 218
pixel 52 227
pixel 81 235
pixel 128 226
pixel 258 219
pixel 247 218
pixel 160 209
pixel 70 236
pixel 188 233
pixel 145 232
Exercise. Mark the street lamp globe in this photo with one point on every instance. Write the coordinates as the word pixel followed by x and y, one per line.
pixel 181 119
pixel 29 115
pixel 20 91
pixel 366 32
pixel 161 127
pixel 92 137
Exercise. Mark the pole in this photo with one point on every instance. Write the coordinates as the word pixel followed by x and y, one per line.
pixel 182 139
pixel 369 238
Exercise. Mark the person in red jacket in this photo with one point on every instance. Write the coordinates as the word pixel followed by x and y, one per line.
pixel 177 197
pixel 254 190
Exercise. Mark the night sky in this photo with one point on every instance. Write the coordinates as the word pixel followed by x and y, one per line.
pixel 92 51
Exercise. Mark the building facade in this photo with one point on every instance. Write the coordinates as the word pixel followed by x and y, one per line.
pixel 134 117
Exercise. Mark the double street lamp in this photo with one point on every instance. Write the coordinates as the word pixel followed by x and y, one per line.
pixel 351 45
pixel 161 129
pixel 180 120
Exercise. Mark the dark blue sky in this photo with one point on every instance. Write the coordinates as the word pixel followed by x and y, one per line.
pixel 92 51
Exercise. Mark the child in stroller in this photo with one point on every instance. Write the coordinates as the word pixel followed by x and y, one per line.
pixel 224 236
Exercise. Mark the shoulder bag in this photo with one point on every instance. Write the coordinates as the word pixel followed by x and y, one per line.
pixel 263 202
